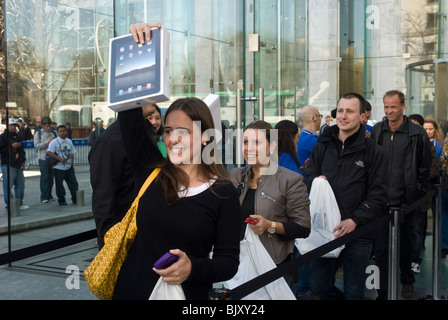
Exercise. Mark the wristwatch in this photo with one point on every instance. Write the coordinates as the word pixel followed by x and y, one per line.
pixel 272 229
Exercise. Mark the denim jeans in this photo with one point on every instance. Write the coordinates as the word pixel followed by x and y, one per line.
pixel 46 181
pixel 303 284
pixel 70 179
pixel 17 180
pixel 354 259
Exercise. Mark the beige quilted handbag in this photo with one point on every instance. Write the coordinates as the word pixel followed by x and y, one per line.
pixel 102 273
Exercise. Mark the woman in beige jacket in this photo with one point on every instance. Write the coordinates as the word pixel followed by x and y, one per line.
pixel 275 196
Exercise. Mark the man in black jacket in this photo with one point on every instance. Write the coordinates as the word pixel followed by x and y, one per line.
pixel 113 189
pixel 11 140
pixel 355 168
pixel 408 153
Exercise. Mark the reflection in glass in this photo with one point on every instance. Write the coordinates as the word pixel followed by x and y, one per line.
pixel 57 53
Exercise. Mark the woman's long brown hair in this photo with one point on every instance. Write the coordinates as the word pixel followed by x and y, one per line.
pixel 174 178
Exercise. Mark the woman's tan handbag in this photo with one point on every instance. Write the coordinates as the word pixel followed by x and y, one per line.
pixel 102 273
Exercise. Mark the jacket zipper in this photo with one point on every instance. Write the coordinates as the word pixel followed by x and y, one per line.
pixel 390 157
pixel 265 196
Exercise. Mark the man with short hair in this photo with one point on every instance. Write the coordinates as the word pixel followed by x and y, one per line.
pixel 24 131
pixel 365 119
pixel 355 168
pixel 326 125
pixel 68 125
pixel 408 153
pixel 63 150
pixel 309 119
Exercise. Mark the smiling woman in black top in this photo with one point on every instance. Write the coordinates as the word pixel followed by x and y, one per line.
pixel 191 209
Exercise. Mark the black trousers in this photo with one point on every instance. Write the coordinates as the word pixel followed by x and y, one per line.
pixel 69 177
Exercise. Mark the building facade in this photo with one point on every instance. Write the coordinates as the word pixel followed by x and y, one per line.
pixel 299 52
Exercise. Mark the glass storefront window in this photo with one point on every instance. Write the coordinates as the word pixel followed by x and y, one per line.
pixel 279 66
pixel 352 46
pixel 309 52
pixel 56 53
pixel 206 45
pixel 209 50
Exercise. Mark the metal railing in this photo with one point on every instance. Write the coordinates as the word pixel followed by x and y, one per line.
pixel 81 156
pixel 394 219
pixel 397 216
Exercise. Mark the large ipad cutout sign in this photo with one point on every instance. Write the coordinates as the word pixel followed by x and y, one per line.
pixel 138 73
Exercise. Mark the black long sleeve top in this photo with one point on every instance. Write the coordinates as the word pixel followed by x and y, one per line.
pixel 197 225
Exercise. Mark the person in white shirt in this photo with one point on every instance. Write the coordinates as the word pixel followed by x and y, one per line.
pixel 63 150
pixel 42 139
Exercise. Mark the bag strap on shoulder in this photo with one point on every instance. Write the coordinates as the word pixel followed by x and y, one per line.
pixel 148 181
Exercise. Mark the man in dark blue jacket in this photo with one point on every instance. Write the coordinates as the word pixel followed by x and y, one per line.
pixel 408 153
pixel 355 168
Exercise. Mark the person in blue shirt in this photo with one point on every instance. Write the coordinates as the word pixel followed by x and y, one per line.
pixel 366 117
pixel 288 136
pixel 310 119
pixel 326 125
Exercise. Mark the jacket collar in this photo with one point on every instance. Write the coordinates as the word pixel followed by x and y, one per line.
pixel 355 142
pixel 407 126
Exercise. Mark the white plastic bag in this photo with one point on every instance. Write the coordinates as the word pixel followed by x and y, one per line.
pixel 325 216
pixel 165 291
pixel 254 261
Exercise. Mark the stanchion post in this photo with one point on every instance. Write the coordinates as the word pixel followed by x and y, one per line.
pixel 80 198
pixel 436 247
pixel 394 251
pixel 15 207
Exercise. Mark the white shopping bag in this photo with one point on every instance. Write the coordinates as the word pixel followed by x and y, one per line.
pixel 254 261
pixel 325 216
pixel 165 291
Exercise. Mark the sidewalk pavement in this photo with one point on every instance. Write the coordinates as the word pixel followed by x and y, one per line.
pixel 43 277
pixel 45 214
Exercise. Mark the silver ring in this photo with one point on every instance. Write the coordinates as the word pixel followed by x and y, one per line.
pixel 343 229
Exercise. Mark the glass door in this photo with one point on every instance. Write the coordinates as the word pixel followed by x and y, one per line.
pixel 277 64
pixel 56 63
pixel 421 88
pixel 427 95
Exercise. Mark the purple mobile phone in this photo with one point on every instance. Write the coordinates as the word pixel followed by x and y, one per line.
pixel 165 261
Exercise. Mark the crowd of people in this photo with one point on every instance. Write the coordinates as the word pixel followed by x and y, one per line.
pixel 200 213
pixel 50 141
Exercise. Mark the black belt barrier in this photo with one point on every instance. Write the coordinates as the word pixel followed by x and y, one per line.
pixel 246 288
pixel 290 266
pixel 28 252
